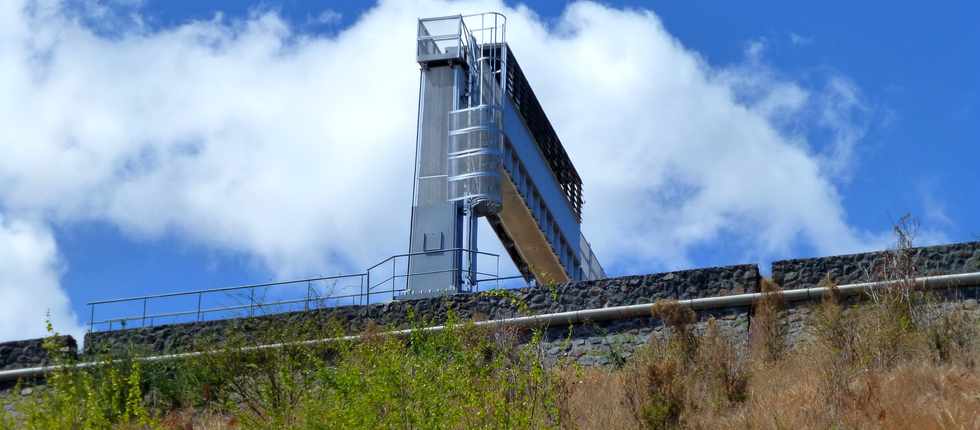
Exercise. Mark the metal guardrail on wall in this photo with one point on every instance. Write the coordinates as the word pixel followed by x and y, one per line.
pixel 378 283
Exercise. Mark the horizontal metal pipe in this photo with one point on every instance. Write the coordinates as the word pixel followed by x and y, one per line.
pixel 573 317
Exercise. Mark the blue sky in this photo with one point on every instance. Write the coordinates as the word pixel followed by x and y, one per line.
pixel 878 99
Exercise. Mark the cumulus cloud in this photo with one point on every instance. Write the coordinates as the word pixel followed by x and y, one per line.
pixel 252 136
pixel 677 153
pixel 842 112
pixel 29 282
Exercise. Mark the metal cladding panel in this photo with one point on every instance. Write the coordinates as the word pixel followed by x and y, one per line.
pixel 438 94
pixel 526 104
pixel 552 196
pixel 435 221
pixel 433 273
pixel 591 269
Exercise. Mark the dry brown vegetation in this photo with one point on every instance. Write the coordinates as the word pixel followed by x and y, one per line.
pixel 898 358
pixel 864 367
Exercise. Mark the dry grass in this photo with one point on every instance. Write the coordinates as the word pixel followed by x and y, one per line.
pixel 858 368
pixel 912 396
pixel 901 361
pixel 597 399
pixel 190 419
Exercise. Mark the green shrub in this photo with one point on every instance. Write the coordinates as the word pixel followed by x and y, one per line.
pixel 90 398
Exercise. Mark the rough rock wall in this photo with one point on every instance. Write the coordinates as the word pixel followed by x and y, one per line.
pixel 628 290
pixel 589 343
pixel 853 268
pixel 606 343
pixel 31 352
pixel 614 342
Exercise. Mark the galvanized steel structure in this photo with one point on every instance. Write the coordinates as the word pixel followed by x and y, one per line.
pixel 485 148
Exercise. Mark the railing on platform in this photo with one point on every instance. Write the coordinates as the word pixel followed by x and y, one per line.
pixel 381 282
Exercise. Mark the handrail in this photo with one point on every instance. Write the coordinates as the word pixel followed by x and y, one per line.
pixel 412 254
pixel 228 308
pixel 439 37
pixel 484 14
pixel 365 291
pixel 218 290
pixel 433 272
pixel 440 18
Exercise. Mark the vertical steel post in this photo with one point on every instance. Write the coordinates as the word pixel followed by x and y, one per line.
pixel 251 302
pixel 144 311
pixel 393 260
pixel 497 275
pixel 471 244
pixel 91 321
pixel 306 306
pixel 199 296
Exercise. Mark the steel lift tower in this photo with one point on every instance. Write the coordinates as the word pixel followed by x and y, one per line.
pixel 486 149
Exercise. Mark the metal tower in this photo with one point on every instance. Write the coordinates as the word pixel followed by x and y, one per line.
pixel 486 149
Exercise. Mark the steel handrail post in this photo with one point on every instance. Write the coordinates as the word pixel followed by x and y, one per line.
pixel 199 297
pixel 91 321
pixel 144 312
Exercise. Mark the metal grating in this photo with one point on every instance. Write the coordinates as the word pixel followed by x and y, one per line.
pixel 529 108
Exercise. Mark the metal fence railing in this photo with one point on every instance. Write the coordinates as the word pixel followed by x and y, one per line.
pixel 384 281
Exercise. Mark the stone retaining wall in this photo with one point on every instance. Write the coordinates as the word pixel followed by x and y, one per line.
pixel 498 304
pixel 853 268
pixel 590 343
pixel 614 342
pixel 31 352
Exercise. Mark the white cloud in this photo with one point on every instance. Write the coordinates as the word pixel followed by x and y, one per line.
pixel 676 153
pixel 841 112
pixel 296 149
pixel 933 207
pixel 29 283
